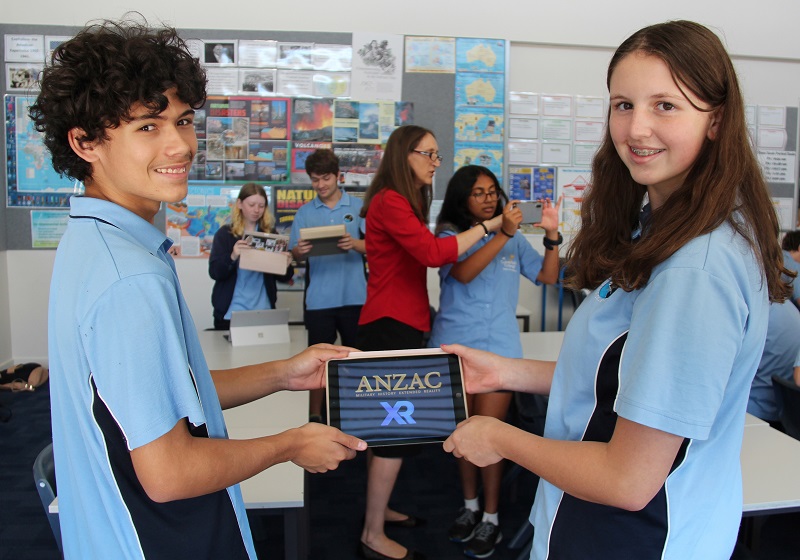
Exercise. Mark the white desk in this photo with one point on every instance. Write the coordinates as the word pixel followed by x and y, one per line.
pixel 770 465
pixel 770 459
pixel 542 345
pixel 281 488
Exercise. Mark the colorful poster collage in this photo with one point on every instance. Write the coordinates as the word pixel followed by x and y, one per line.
pixel 192 222
pixel 267 140
pixel 480 103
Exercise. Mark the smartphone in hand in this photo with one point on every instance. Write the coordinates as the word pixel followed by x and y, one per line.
pixel 531 212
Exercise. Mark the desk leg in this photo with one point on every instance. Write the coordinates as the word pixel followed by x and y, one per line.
pixel 295 528
pixel 750 532
pixel 295 533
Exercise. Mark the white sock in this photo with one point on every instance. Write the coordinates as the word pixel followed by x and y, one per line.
pixel 472 504
pixel 492 518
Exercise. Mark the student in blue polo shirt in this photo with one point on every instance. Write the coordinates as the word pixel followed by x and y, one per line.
pixel 336 285
pixel 482 288
pixel 678 240
pixel 791 260
pixel 780 352
pixel 144 466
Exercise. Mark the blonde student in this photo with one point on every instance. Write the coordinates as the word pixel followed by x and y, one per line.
pixel 237 289
pixel 640 454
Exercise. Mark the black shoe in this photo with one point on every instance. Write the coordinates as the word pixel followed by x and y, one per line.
pixel 409 522
pixel 463 528
pixel 366 552
pixel 482 544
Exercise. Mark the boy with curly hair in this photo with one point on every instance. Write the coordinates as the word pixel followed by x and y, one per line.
pixel 144 466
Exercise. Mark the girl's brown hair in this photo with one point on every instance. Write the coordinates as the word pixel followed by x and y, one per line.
pixel 724 184
pixel 395 173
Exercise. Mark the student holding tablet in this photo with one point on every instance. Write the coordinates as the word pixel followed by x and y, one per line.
pixel 336 285
pixel 482 288
pixel 400 248
pixel 236 289
pixel 640 454
pixel 144 465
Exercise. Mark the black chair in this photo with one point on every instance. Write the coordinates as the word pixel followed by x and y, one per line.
pixel 44 475
pixel 787 396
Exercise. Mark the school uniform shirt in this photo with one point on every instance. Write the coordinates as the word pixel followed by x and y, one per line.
pixel 249 293
pixel 333 280
pixel 482 313
pixel 792 264
pixel 677 355
pixel 400 249
pixel 125 367
pixel 780 352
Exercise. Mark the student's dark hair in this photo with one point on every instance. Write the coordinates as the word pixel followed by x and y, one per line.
pixel 395 173
pixel 265 224
pixel 322 162
pixel 791 241
pixel 724 183
pixel 455 209
pixel 95 79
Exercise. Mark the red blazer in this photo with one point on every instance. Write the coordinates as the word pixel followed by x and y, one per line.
pixel 400 249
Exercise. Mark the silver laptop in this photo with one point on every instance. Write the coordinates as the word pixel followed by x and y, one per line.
pixel 265 326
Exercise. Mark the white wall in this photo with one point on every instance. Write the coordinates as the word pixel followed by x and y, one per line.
pixel 557 47
pixel 765 29
pixel 29 285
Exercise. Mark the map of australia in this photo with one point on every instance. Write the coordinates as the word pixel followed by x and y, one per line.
pixel 482 53
pixel 480 92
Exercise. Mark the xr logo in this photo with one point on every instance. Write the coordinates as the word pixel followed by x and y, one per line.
pixel 401 413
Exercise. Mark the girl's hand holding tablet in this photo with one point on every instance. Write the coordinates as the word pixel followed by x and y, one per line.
pixel 475 439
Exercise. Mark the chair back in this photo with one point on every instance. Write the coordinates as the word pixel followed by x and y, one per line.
pixel 787 396
pixel 44 475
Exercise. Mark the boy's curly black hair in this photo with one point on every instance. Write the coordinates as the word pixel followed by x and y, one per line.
pixel 94 80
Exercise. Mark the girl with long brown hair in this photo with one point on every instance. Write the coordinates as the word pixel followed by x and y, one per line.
pixel 640 454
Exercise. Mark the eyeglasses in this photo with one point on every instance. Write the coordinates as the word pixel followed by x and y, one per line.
pixel 482 196
pixel 433 156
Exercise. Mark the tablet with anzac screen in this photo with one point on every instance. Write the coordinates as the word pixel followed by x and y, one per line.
pixel 396 397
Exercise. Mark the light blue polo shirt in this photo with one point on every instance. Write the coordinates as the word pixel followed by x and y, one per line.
pixel 125 367
pixel 792 264
pixel 677 355
pixel 482 313
pixel 249 292
pixel 780 353
pixel 335 280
